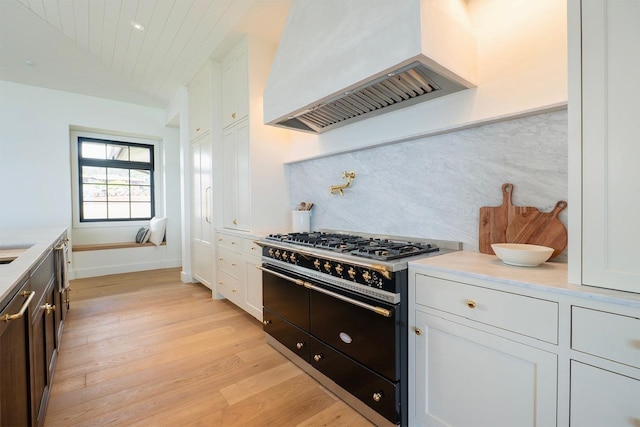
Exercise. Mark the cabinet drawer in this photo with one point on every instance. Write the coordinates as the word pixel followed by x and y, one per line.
pixel 231 263
pixel 230 242
pixel 528 316
pixel 230 288
pixel 250 248
pixel 607 335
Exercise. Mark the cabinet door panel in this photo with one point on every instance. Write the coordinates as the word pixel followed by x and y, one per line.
pixel 610 125
pixel 465 377
pixel 243 161
pixel 236 177
pixel 602 398
pixel 15 398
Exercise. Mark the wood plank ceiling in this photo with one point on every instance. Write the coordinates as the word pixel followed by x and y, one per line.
pixel 178 35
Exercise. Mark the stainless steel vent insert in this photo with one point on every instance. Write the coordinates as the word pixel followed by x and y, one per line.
pixel 396 89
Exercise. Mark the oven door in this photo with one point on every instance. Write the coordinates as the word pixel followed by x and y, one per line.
pixel 281 296
pixel 350 325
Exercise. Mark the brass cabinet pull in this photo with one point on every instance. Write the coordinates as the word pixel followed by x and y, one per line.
pixel 317 357
pixel 197 129
pixel 299 345
pixel 418 331
pixel 266 322
pixel 377 397
pixel 24 307
pixel 48 308
pixel 233 115
pixel 471 304
pixel 235 222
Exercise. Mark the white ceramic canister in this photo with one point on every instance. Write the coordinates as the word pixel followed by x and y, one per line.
pixel 301 221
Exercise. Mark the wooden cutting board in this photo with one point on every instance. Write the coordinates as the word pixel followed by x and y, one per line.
pixel 540 228
pixel 495 219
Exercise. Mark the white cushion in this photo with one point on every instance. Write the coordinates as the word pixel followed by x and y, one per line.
pixel 157 227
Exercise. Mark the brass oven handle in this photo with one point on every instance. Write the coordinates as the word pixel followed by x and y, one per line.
pixel 378 310
pixel 19 314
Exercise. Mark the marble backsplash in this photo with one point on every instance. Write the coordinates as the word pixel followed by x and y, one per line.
pixel 433 187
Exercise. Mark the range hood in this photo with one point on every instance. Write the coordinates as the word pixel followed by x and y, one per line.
pixel 339 61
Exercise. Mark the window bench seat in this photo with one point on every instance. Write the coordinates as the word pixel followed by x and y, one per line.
pixel 103 246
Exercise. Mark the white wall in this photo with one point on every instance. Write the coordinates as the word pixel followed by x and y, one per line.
pixel 35 169
pixel 522 68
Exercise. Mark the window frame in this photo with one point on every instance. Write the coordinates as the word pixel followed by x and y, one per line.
pixel 119 226
pixel 116 164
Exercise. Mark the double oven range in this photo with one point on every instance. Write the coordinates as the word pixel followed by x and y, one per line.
pixel 336 305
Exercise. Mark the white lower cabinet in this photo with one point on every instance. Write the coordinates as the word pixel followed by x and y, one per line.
pixel 460 375
pixel 497 345
pixel 605 368
pixel 238 279
pixel 603 398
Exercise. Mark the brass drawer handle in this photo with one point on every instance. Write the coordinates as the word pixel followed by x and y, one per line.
pixel 317 357
pixel 24 307
pixel 377 397
pixel 299 345
pixel 266 322
pixel 418 331
pixel 233 115
pixel 471 304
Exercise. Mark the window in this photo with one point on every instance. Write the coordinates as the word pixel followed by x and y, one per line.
pixel 115 180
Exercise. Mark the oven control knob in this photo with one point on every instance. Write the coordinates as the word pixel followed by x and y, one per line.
pixel 317 357
pixel 377 397
pixel 278 254
pixel 366 276
pixel 285 256
pixel 270 252
pixel 293 258
pixel 316 264
pixel 339 269
pixel 327 267
pixel 352 273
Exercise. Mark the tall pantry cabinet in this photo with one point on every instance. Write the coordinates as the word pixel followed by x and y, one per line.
pixel 201 184
pixel 604 100
pixel 250 187
pixel 250 158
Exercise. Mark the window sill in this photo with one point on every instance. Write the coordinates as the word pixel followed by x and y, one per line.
pixel 103 246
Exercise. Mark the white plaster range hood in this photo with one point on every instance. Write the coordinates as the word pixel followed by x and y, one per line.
pixel 344 60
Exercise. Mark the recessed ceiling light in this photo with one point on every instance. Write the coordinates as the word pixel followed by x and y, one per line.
pixel 138 26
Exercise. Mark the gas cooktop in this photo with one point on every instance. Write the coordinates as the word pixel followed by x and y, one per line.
pixel 377 248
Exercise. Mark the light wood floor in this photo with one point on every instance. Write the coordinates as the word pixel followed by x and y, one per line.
pixel 144 349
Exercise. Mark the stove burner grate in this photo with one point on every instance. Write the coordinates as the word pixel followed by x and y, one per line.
pixel 373 248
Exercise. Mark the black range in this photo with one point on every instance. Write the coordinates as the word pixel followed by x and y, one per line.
pixel 335 303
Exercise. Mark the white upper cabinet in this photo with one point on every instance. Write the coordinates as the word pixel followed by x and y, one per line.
pixel 609 101
pixel 200 103
pixel 235 86
pixel 249 172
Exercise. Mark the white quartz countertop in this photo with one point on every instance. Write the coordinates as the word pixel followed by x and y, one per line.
pixel 40 241
pixel 549 276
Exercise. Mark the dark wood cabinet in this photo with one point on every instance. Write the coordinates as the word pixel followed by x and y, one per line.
pixel 44 335
pixel 15 367
pixel 31 321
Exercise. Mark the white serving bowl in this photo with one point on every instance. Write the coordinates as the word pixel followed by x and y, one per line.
pixel 521 254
